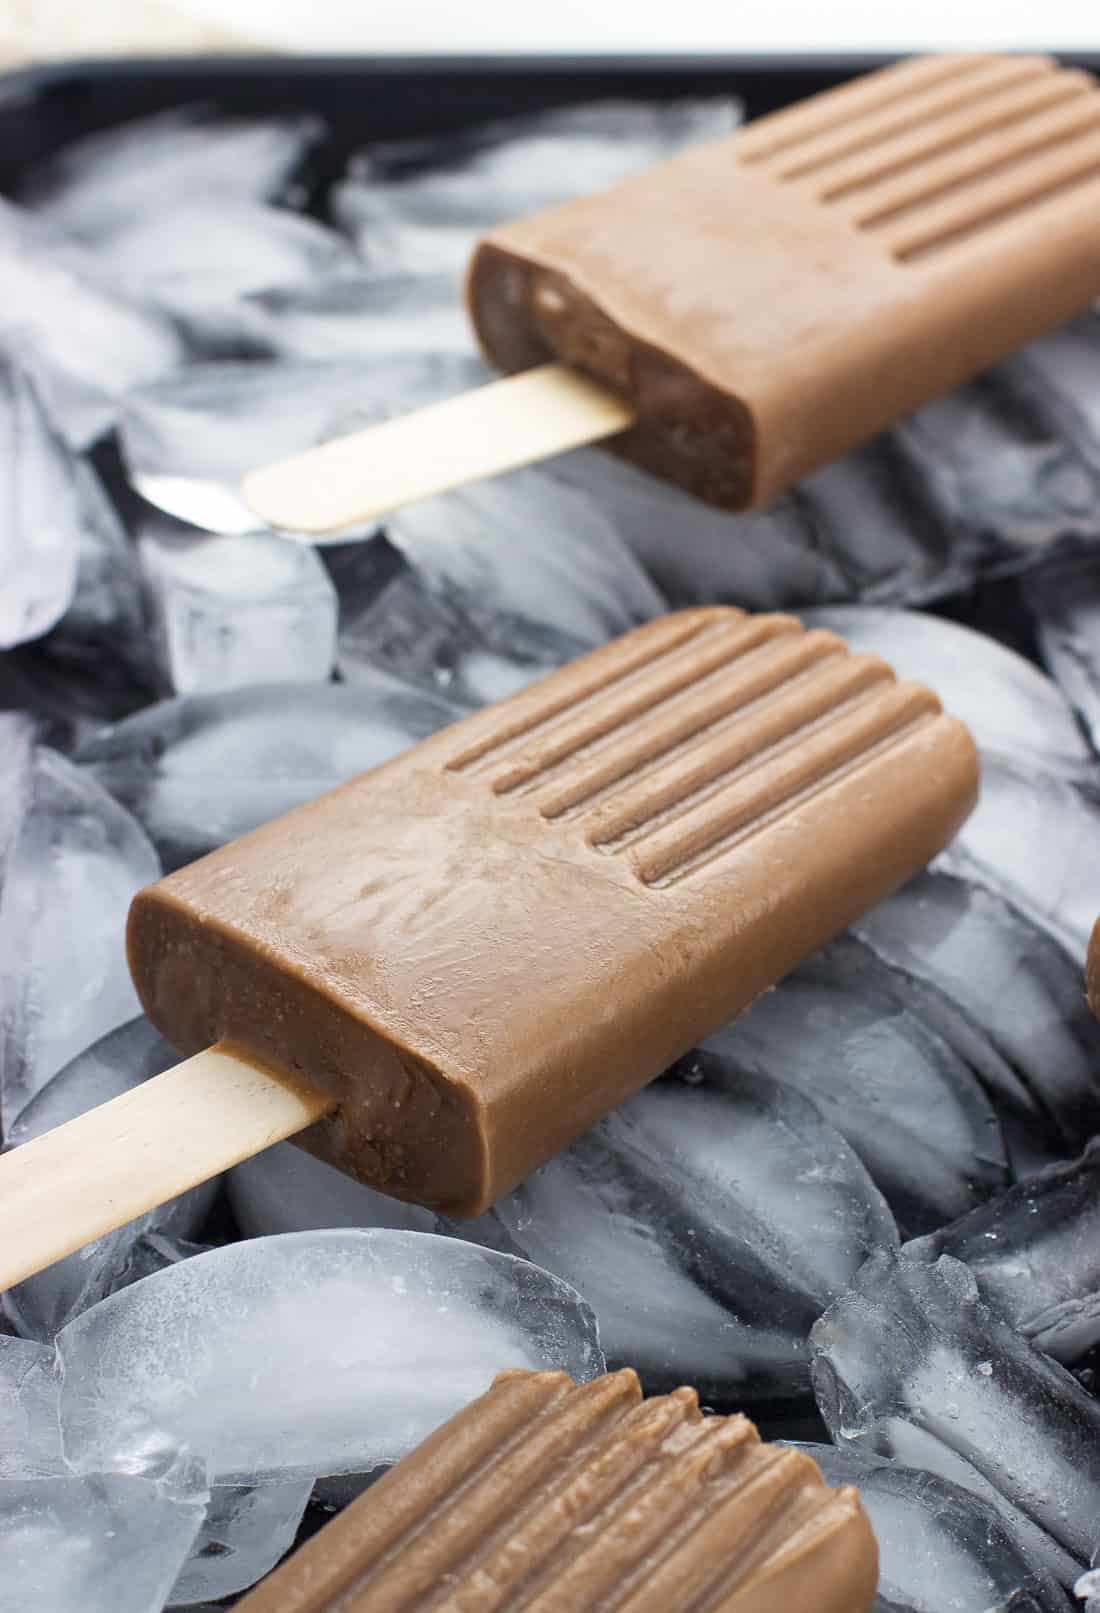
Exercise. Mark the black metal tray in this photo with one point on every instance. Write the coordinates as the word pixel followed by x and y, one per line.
pixel 364 98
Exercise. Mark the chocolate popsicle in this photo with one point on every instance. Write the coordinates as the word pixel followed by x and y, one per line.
pixel 483 946
pixel 765 302
pixel 546 1497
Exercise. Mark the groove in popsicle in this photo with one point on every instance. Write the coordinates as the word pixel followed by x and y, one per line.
pixel 735 1538
pixel 834 109
pixel 736 807
pixel 484 1501
pixel 873 206
pixel 609 765
pixel 537 1534
pixel 647 1517
pixel 585 679
pixel 812 1514
pixel 734 746
pixel 1012 188
pixel 863 134
pixel 545 745
pixel 955 133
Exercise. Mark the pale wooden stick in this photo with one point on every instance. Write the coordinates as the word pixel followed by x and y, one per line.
pixel 496 428
pixel 71 1185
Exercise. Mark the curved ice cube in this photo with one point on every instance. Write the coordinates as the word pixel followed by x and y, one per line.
pixel 941 1549
pixel 76 858
pixel 708 1221
pixel 910 1363
pixel 313 1353
pixel 1035 1252
pixel 845 1030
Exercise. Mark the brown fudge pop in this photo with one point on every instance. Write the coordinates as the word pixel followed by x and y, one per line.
pixel 548 1497
pixel 485 945
pixel 767 301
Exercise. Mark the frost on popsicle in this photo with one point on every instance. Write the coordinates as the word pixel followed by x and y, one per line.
pixel 314 1353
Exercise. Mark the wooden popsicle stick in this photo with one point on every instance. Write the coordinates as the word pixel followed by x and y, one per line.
pixel 498 427
pixel 167 1135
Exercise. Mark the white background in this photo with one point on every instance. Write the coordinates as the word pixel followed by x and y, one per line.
pixel 575 26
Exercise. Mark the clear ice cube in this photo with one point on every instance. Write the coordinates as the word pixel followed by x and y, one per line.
pixel 230 611
pixel 135 170
pixel 118 1062
pixel 708 1222
pixel 314 1353
pixel 203 769
pixel 910 1363
pixel 1063 594
pixel 284 1189
pixel 845 1030
pixel 525 545
pixel 40 513
pixel 941 1549
pixel 370 318
pixel 86 343
pixel 438 639
pixel 1056 380
pixel 1035 1253
pixel 101 1544
pixel 1008 995
pixel 30 1435
pixel 246 1531
pixel 76 858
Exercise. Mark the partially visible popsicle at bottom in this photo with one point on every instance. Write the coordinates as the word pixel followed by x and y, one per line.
pixel 546 1497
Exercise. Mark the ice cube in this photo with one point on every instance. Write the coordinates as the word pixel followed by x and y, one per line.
pixel 247 1529
pixel 86 343
pixel 708 1222
pixel 314 1353
pixel 1035 1252
pixel 910 1363
pixel 148 166
pixel 103 629
pixel 1002 475
pixel 98 1544
pixel 284 1189
pixel 1063 594
pixel 229 611
pixel 417 205
pixel 1008 995
pixel 765 560
pixel 30 1435
pixel 372 318
pixel 76 858
pixel 40 510
pixel 1007 702
pixel 188 440
pixel 199 261
pixel 1056 379
pixel 845 1030
pixel 117 1063
pixel 524 545
pixel 1031 837
pixel 941 1549
pixel 202 769
pixel 438 639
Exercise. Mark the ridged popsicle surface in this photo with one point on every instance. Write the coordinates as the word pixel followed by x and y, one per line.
pixel 547 1497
